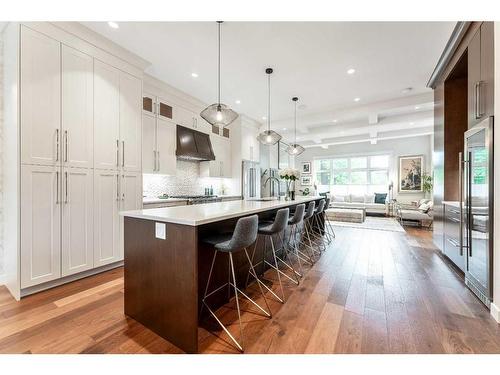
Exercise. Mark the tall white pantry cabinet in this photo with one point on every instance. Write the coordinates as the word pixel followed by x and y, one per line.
pixel 73 142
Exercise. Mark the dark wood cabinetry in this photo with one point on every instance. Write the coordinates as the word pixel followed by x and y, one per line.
pixel 480 74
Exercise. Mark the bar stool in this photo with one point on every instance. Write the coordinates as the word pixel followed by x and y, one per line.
pixel 296 225
pixel 267 230
pixel 328 226
pixel 315 225
pixel 244 235
pixel 308 232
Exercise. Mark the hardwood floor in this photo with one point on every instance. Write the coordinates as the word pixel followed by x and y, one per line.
pixel 371 292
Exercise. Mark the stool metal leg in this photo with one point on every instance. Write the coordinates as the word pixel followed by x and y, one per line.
pixel 237 303
pixel 208 281
pixel 290 266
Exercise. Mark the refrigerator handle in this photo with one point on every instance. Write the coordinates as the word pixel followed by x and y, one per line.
pixel 461 200
pixel 469 203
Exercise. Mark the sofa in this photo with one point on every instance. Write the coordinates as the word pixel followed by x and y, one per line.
pixel 421 214
pixel 366 202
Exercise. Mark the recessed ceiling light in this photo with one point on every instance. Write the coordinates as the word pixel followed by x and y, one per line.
pixel 357 99
pixel 194 75
pixel 412 123
pixel 417 108
pixel 113 25
pixel 351 71
pixel 264 118
pixel 284 128
pixel 335 120
pixel 406 90
pixel 325 147
pixel 238 101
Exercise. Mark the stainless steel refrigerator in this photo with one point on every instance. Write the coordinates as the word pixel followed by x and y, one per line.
pixel 250 180
pixel 477 209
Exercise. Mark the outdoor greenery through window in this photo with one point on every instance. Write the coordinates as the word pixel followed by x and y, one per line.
pixel 353 175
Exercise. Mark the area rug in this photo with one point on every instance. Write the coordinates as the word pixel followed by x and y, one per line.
pixel 389 224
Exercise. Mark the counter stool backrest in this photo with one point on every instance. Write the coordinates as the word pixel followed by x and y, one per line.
pixel 310 210
pixel 281 220
pixel 321 206
pixel 245 232
pixel 327 203
pixel 298 215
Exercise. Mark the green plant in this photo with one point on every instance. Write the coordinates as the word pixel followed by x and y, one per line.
pixel 305 192
pixel 427 183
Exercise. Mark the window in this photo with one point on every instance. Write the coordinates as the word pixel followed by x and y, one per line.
pixel 353 175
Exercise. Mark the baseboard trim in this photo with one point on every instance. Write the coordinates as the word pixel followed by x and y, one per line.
pixel 495 312
pixel 52 284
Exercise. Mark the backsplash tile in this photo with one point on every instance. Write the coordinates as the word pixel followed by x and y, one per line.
pixel 186 182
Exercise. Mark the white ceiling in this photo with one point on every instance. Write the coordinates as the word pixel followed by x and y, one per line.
pixel 310 60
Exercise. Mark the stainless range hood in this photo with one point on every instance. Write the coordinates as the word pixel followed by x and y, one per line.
pixel 193 145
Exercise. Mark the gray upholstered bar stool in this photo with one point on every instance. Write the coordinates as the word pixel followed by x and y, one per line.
pixel 315 225
pixel 307 232
pixel 244 235
pixel 295 226
pixel 267 231
pixel 330 234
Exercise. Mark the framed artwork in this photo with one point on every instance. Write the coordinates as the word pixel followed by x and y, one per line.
pixel 306 167
pixel 305 181
pixel 410 174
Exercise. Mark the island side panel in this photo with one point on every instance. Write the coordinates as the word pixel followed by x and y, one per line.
pixel 161 280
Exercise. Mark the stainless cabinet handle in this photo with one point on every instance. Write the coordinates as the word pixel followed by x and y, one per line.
pixel 57 144
pixel 65 145
pixel 57 187
pixel 478 99
pixel 117 187
pixel 158 163
pixel 117 152
pixel 122 189
pixel 154 161
pixel 461 198
pixel 123 153
pixel 66 187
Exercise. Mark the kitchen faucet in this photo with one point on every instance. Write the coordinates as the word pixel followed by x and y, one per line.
pixel 277 180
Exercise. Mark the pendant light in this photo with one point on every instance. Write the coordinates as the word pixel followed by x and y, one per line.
pixel 269 137
pixel 219 114
pixel 295 149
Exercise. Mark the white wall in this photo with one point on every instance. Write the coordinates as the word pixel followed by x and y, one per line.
pixel 395 147
pixel 1 158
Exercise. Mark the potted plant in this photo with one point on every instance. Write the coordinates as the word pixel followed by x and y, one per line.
pixel 289 175
pixel 427 184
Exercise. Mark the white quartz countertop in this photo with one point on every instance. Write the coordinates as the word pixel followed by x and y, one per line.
pixel 211 212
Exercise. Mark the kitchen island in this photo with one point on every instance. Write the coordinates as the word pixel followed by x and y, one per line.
pixel 167 262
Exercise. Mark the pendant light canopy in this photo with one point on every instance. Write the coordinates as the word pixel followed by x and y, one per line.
pixel 219 114
pixel 269 137
pixel 294 149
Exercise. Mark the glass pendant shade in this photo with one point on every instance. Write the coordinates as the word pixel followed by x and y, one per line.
pixel 269 137
pixel 219 115
pixel 295 149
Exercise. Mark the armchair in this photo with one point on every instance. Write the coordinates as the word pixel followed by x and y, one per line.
pixel 421 214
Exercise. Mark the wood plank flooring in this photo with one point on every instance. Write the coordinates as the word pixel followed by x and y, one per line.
pixel 371 292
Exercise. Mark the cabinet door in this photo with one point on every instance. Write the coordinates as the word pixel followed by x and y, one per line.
pixel 40 91
pixel 106 116
pixel 225 158
pixel 106 221
pixel 77 108
pixel 148 144
pixel 487 69
pixel 77 220
pixel 166 145
pixel 474 78
pixel 131 199
pixel 40 224
pixel 130 122
pixel 184 117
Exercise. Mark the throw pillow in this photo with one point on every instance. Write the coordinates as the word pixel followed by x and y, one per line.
pixel 357 199
pixel 424 207
pixel 380 197
pixel 369 198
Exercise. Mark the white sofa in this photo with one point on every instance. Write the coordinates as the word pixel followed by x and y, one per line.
pixel 366 202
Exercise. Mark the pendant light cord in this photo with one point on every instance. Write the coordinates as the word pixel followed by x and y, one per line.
pixel 269 102
pixel 295 126
pixel 218 65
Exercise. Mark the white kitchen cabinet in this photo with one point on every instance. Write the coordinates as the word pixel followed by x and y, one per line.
pixel 250 146
pixel 77 135
pixel 77 220
pixel 221 166
pixel 130 122
pixel 106 219
pixel 106 116
pixel 149 144
pixel 130 187
pixel 41 224
pixel 40 95
pixel 166 142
